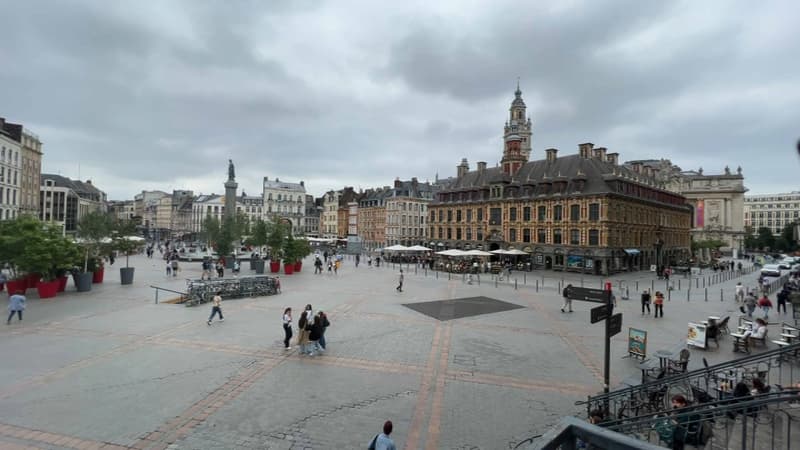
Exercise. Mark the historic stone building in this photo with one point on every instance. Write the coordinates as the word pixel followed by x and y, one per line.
pixel 10 166
pixel 581 212
pixel 407 212
pixel 372 217
pixel 717 200
pixel 285 201
pixel 328 222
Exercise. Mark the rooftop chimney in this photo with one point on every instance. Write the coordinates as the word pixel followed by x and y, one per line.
pixel 481 166
pixel 462 168
pixel 397 183
pixel 302 183
pixel 551 154
pixel 266 178
pixel 600 153
pixel 613 158
pixel 585 150
pixel 637 167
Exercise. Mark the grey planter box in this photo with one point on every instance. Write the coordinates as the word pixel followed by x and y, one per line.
pixel 229 262
pixel 126 275
pixel 258 265
pixel 83 281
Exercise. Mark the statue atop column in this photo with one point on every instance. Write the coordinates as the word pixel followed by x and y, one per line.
pixel 231 172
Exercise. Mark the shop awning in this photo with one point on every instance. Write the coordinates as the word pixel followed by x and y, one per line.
pixel 631 251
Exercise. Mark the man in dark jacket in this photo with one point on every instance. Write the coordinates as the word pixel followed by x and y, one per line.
pixel 314 333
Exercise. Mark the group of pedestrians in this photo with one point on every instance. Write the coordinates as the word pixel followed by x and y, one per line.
pixel 658 302
pixel 311 329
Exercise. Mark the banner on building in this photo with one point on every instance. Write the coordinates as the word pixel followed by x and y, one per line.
pixel 699 214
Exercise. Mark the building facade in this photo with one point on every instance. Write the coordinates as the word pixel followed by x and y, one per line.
pixel 773 211
pixel 311 218
pixel 31 169
pixel 580 212
pixel 329 223
pixel 64 201
pixel 283 200
pixel 407 212
pixel 372 217
pixel 122 209
pixel 347 214
pixel 717 200
pixel 10 169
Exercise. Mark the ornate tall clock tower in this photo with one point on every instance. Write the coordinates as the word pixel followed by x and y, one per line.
pixel 519 124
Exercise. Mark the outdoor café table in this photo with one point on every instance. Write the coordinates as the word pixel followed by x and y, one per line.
pixel 739 343
pixel 788 337
pixel 714 318
pixel 663 358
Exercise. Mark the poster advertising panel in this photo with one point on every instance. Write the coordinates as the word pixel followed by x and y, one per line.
pixel 697 335
pixel 637 342
pixel 699 214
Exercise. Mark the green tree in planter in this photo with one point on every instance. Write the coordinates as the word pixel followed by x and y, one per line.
pixel 276 239
pixel 93 229
pixel 258 234
pixel 124 239
pixel 46 252
pixel 12 240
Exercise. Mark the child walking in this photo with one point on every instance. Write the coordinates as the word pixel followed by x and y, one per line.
pixel 287 328
pixel 216 308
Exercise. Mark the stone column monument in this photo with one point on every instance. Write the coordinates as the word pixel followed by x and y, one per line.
pixel 230 192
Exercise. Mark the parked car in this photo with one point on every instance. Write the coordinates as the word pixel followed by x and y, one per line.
pixel 771 270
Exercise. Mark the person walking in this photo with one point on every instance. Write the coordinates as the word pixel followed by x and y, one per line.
pixel 216 308
pixel 567 306
pixel 16 304
pixel 782 297
pixel 659 303
pixel 174 263
pixel 220 270
pixel 325 324
pixel 169 268
pixel 750 303
pixel 358 259
pixel 317 266
pixel 765 304
pixel 400 285
pixel 646 301
pixel 382 441
pixel 739 292
pixel 287 328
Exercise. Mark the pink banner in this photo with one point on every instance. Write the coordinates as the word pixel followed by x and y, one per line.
pixel 699 215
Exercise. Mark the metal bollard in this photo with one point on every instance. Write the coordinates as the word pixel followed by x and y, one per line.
pixel 721 298
pixel 524 278
pixel 156 296
pixel 679 284
pixel 706 294
pixel 688 292
pixel 637 286
pixel 697 282
pixel 437 274
pixel 479 279
pixel 704 282
pixel 448 275
pixel 652 285
pixel 669 296
pixel 537 285
pixel 515 284
pixel 426 271
pixel 495 282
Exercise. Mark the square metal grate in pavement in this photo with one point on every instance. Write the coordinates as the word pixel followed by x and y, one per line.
pixel 461 307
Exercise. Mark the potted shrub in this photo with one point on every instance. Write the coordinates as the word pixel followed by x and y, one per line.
pixel 13 234
pixel 93 230
pixel 46 253
pixel 258 239
pixel 125 241
pixel 276 243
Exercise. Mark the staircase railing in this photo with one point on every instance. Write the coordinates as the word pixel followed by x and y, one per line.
pixel 773 367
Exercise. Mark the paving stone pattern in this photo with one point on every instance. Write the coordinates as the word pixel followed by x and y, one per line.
pixel 453 365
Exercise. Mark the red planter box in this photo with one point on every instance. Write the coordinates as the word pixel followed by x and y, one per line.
pixel 47 289
pixel 33 280
pixel 62 284
pixel 274 266
pixel 97 276
pixel 298 265
pixel 16 285
pixel 288 269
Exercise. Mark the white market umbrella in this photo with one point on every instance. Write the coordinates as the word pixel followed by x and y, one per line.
pixel 419 248
pixel 451 252
pixel 133 238
pixel 396 248
pixel 477 253
pixel 499 251
pixel 515 252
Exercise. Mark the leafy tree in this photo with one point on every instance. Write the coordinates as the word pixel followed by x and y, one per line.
pixel 276 237
pixel 93 229
pixel 124 238
pixel 211 230
pixel 750 240
pixel 47 252
pixel 786 241
pixel 766 240
pixel 258 234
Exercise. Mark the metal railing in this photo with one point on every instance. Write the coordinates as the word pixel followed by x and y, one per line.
pixel 773 367
pixel 765 421
pixel 158 289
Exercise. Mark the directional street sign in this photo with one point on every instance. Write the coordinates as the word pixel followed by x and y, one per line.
pixel 589 294
pixel 614 324
pixel 599 313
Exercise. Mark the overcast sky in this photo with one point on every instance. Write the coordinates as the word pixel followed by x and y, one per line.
pixel 142 95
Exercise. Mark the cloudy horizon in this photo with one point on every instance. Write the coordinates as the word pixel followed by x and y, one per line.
pixel 159 95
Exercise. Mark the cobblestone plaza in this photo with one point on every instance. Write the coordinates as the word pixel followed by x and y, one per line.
pixel 112 369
